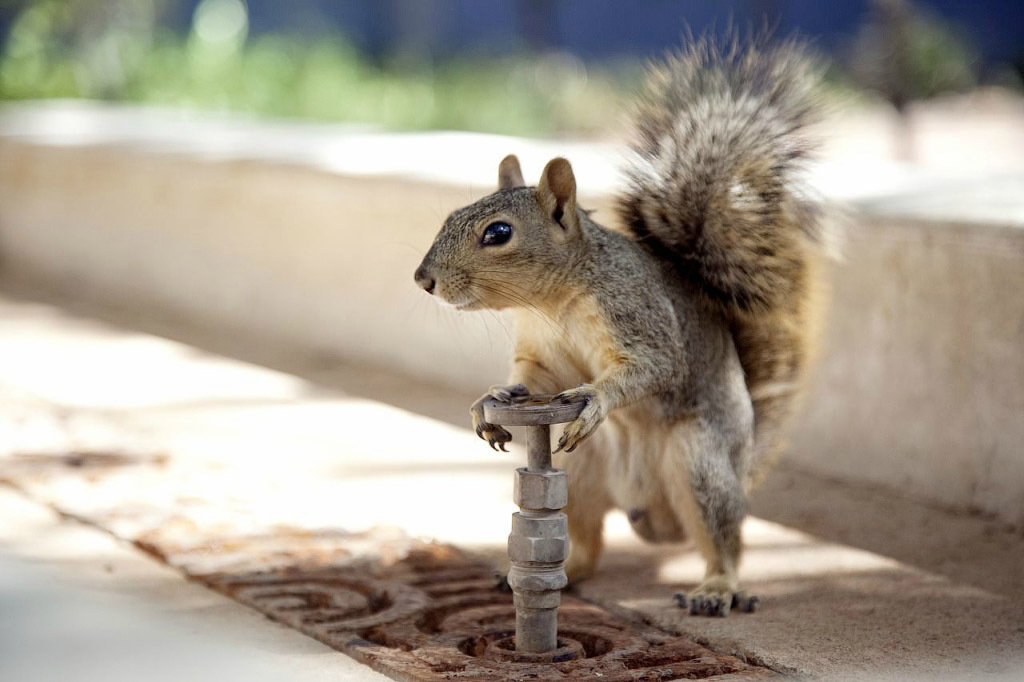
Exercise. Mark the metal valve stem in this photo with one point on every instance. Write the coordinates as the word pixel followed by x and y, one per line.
pixel 539 542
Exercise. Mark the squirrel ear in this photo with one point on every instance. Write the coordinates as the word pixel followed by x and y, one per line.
pixel 557 193
pixel 509 173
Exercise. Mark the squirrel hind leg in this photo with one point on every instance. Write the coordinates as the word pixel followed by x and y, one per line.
pixel 586 532
pixel 589 501
pixel 657 523
pixel 708 497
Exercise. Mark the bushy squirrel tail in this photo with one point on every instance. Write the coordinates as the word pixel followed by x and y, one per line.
pixel 721 133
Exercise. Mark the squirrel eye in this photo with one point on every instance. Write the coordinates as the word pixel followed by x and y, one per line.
pixel 495 234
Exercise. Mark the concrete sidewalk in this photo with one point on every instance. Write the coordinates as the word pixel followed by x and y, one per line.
pixel 76 604
pixel 232 449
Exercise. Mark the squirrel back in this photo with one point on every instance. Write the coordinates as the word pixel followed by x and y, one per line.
pixel 714 189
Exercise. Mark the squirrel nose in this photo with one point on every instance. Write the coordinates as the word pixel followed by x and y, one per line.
pixel 425 280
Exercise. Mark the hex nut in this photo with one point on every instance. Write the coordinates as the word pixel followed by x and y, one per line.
pixel 536 590
pixel 545 525
pixel 547 491
pixel 539 550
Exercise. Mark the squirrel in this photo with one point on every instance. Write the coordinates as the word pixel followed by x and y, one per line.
pixel 688 329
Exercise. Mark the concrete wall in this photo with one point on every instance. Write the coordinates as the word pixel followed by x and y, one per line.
pixel 921 381
pixel 921 385
pixel 303 257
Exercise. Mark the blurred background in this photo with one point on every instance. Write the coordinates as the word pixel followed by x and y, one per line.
pixel 511 66
pixel 212 348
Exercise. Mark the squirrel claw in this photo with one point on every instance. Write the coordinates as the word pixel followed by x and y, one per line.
pixel 704 605
pixel 747 603
pixel 591 416
pixel 716 596
pixel 492 433
pixel 505 394
pixel 495 436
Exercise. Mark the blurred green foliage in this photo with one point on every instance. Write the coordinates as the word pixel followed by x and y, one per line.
pixel 907 53
pixel 938 60
pixel 115 51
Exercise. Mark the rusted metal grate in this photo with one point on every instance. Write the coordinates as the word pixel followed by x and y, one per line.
pixel 409 609
pixel 436 615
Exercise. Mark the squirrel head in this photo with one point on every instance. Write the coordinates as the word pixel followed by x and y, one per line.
pixel 510 248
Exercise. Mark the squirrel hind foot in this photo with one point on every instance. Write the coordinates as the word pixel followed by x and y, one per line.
pixel 716 604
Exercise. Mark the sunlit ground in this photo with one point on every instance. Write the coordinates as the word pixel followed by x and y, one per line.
pixel 243 451
pixel 229 450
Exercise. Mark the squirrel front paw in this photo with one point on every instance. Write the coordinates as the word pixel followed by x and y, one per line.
pixel 505 394
pixel 495 435
pixel 591 416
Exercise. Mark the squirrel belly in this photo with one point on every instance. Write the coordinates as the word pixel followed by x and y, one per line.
pixel 686 334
